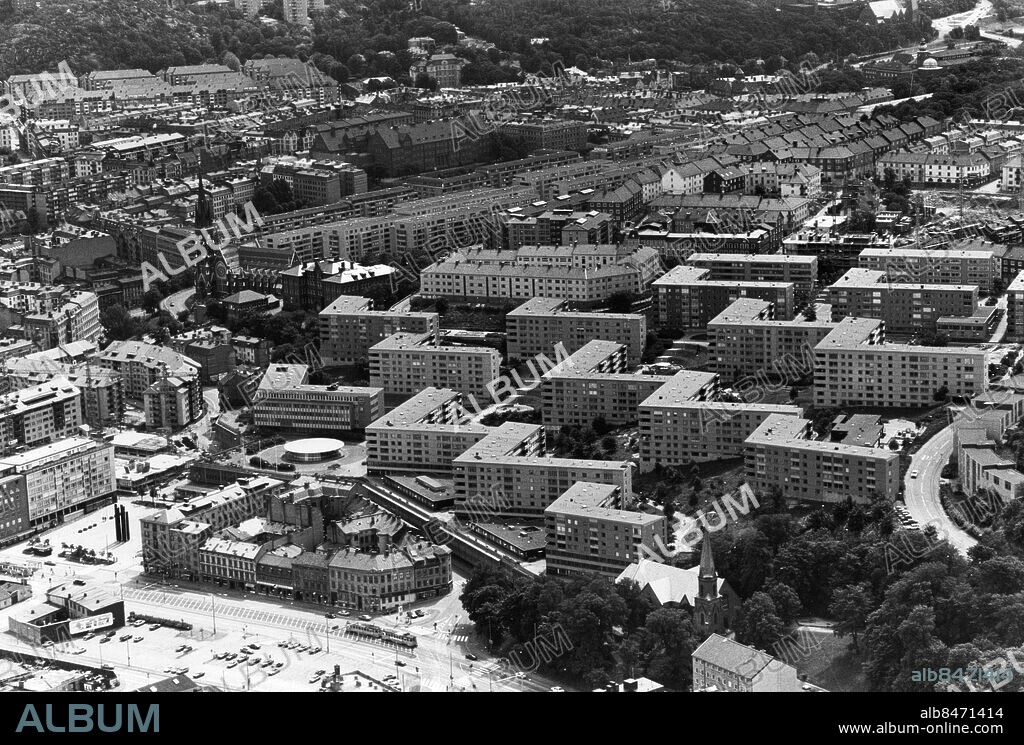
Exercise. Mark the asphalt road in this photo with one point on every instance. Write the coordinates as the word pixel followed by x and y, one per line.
pixel 922 494
pixel 176 303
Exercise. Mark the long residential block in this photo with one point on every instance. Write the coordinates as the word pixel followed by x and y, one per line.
pixel 405 364
pixel 953 266
pixel 349 327
pixel 688 298
pixel 592 383
pixel 746 340
pixel 539 324
pixel 683 423
pixel 856 367
pixel 905 308
pixel 779 454
pixel 507 475
pixel 802 271
pixel 286 400
pixel 424 434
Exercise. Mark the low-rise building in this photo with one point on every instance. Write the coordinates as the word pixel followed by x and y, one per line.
pixel 286 399
pixel 386 580
pixel 723 664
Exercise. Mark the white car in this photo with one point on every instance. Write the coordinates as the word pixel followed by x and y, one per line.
pixel 914 474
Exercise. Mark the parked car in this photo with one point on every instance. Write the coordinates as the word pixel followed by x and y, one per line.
pixel 915 473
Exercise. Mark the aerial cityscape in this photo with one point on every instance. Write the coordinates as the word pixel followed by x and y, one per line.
pixel 512 346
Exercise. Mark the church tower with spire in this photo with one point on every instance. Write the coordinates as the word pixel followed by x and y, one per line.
pixel 710 614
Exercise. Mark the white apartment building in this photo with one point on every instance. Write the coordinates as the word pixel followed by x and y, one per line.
pixel 40 414
pixel 961 266
pixel 507 475
pixel 855 367
pixel 424 434
pixel 682 423
pixel 63 477
pixel 349 327
pixel 539 324
pixel 780 455
pixel 405 364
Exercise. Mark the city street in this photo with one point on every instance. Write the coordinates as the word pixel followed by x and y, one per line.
pixel 922 493
pixel 226 620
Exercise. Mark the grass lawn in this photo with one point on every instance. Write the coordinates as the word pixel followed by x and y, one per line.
pixel 828 664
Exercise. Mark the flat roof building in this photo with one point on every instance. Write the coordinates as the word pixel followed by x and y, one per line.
pixel 349 327
pixel 682 423
pixel 780 455
pixel 424 434
pixel 286 400
pixel 405 364
pixel 507 475
pixel 536 326
pixel 747 341
pixel 905 308
pixel 593 382
pixel 589 532
pixel 854 366
pixel 688 298
pixel 802 271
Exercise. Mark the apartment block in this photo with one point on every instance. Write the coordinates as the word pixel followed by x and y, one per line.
pixel 349 327
pixel 593 382
pixel 589 532
pixel 688 298
pixel 286 400
pixel 954 266
pixel 424 434
pixel 507 475
pixel 746 340
pixel 586 274
pixel 141 365
pixel 684 422
pixel 1015 309
pixel 49 315
pixel 802 271
pixel 539 324
pixel 62 477
pixel 905 308
pixel 405 364
pixel 779 454
pixel 855 367
pixel 40 414
pixel 388 580
pixel 171 538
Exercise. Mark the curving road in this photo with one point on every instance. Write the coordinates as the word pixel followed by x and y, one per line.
pixel 922 493
pixel 177 302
